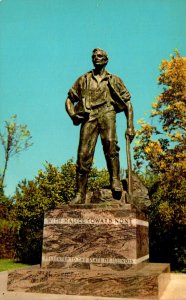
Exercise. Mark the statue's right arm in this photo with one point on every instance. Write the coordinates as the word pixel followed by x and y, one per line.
pixel 69 107
pixel 73 97
pixel 76 119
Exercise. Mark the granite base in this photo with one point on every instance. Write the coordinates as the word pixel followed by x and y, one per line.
pixel 86 237
pixel 146 280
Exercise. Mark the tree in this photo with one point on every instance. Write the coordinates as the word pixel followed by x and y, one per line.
pixel 161 149
pixel 15 140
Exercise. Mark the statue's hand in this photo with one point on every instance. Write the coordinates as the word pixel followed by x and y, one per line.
pixel 130 132
pixel 77 119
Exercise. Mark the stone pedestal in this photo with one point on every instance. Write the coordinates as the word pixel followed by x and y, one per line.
pixel 96 250
pixel 93 237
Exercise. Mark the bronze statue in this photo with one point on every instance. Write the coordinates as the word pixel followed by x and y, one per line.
pixel 93 102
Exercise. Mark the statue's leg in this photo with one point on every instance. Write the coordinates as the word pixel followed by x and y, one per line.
pixel 81 185
pixel 111 151
pixel 88 137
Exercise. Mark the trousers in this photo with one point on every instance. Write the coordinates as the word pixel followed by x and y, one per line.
pixel 104 124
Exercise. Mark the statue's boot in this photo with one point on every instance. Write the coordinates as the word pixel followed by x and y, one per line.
pixel 81 189
pixel 116 186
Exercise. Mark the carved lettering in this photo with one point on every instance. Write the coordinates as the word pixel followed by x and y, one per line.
pixel 95 260
pixel 91 221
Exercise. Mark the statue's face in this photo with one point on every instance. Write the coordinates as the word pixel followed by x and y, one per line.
pixel 99 59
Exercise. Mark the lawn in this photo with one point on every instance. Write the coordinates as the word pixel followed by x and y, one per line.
pixel 9 264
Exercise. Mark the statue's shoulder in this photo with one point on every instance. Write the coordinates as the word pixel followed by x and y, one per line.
pixel 83 77
pixel 116 82
pixel 114 78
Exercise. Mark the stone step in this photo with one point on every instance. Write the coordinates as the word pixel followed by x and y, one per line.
pixel 146 280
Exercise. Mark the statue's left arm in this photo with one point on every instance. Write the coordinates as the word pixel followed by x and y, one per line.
pixel 130 122
pixel 122 95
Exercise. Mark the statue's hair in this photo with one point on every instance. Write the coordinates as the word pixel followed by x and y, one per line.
pixel 101 50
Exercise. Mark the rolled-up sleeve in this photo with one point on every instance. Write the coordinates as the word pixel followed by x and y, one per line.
pixel 75 92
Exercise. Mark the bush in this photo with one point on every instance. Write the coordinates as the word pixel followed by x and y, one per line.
pixel 8 228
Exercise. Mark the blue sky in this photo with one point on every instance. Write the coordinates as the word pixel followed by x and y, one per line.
pixel 46 44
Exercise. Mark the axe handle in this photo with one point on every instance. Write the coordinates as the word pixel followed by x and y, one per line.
pixel 129 164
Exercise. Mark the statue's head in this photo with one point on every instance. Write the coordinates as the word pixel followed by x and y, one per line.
pixel 99 57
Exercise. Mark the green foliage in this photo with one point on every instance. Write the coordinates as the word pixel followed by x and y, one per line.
pixel 97 179
pixel 14 140
pixel 49 189
pixel 8 238
pixel 5 206
pixel 8 228
pixel 161 150
pixel 9 264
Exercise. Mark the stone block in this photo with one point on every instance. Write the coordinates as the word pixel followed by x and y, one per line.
pixel 90 237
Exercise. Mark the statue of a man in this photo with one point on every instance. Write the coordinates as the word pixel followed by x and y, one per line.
pixel 93 102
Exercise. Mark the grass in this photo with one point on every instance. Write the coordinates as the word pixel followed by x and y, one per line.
pixel 10 264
